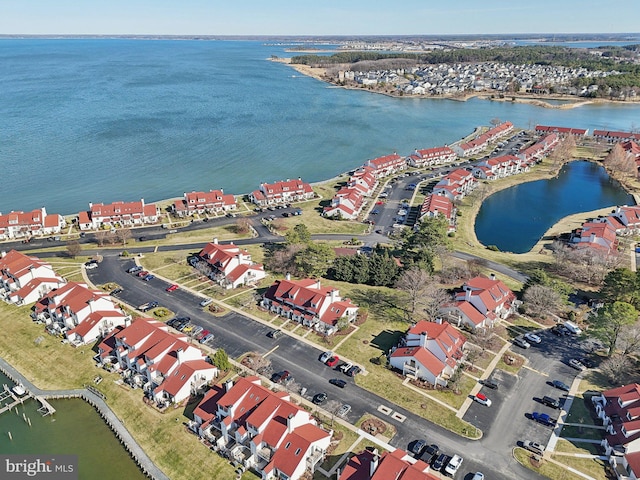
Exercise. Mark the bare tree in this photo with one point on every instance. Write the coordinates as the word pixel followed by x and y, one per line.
pixel 74 248
pixel 123 235
pixel 434 298
pixel 261 365
pixel 332 406
pixel 628 341
pixel 615 159
pixel 541 300
pixel 293 386
pixel 101 237
pixel 243 225
pixel 413 282
pixel 616 367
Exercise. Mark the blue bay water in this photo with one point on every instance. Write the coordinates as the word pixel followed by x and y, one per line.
pixel 515 219
pixel 100 120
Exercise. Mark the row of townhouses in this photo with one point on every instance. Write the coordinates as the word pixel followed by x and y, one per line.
pixel 30 224
pixel 601 234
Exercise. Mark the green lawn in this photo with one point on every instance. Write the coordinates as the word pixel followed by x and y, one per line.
pixel 512 369
pixel 591 466
pixel 568 446
pixel 546 469
pixel 580 412
pixel 578 432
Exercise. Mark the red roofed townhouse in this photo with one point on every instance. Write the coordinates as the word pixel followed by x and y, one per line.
pixel 632 150
pixel 562 131
pixel 598 235
pixel 396 465
pixel 387 165
pixel 204 202
pixel 625 220
pixel 613 136
pixel 429 351
pixel 499 167
pixel 24 279
pixel 481 303
pixel 63 310
pixel 432 156
pixel 436 205
pixel 627 468
pixel 118 214
pixel 230 266
pixel 619 410
pixel 539 150
pixel 456 184
pixel 29 224
pixel 307 302
pixel 466 149
pixel 364 180
pixel 282 192
pixel 261 429
pixel 346 204
pixel 167 366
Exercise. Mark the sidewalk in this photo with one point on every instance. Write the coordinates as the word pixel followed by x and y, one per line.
pixel 555 435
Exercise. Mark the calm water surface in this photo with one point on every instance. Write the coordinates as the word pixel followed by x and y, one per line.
pixel 99 120
pixel 515 219
pixel 75 429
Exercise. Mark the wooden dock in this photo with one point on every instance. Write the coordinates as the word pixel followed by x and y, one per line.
pixel 46 408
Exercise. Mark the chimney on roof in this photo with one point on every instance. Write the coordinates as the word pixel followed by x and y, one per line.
pixel 492 276
pixel 287 276
pixel 423 339
pixel 438 320
pixel 467 294
pixel 180 355
pixel 227 385
pixel 373 466
pixel 290 423
pixel 215 240
pixel 127 321
pixel 3 254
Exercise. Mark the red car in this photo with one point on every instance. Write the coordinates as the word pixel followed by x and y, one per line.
pixel 171 288
pixel 143 273
pixel 333 361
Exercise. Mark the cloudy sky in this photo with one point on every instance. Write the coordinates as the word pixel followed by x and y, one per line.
pixel 318 17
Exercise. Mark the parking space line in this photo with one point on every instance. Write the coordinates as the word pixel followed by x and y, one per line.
pixel 271 351
pixel 536 371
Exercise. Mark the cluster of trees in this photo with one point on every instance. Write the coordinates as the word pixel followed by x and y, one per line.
pixel 617 161
pixel 544 295
pixel 584 265
pixel 378 269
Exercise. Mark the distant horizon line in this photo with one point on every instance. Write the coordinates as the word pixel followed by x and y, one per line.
pixel 584 36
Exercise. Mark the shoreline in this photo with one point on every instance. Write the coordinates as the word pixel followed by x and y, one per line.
pixel 532 99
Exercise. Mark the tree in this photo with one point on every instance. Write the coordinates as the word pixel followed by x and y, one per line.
pixel 221 360
pixel 281 258
pixel 413 282
pixel 332 406
pixel 383 269
pixel 315 259
pixel 123 235
pixel 431 233
pixel 541 300
pixel 621 285
pixel 243 225
pixel 608 323
pixel 299 234
pixel 101 237
pixel 629 340
pixel 434 298
pixel 74 248
pixel 616 367
pixel 615 159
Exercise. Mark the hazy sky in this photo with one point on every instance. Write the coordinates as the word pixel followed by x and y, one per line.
pixel 318 17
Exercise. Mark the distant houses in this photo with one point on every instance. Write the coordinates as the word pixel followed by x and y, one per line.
pixel 24 225
pixel 478 144
pixel 439 205
pixel 386 165
pixel 456 185
pixel 562 131
pixel 429 157
pixel 25 279
pixel 118 215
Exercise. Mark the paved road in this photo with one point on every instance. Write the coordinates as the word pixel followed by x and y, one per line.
pixel 238 334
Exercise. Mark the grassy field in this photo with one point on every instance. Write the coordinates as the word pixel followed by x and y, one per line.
pixel 591 466
pixel 576 447
pixel 163 436
pixel 580 432
pixel 546 469
pixel 580 412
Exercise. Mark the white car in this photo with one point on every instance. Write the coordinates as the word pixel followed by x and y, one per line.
pixel 532 337
pixel 478 476
pixel 346 366
pixel 326 356
pixel 90 265
pixel 521 342
pixel 453 465
pixel 577 364
pixel 482 399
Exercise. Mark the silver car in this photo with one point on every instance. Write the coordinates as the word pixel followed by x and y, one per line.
pixel 344 410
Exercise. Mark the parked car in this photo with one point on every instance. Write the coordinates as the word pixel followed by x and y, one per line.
pixel 550 402
pixel 274 334
pixel 534 447
pixel 482 399
pixel 202 334
pixel 280 376
pixel 353 371
pixel 172 288
pixel 521 342
pixel 148 277
pixel 91 265
pixel 343 410
pixel 430 453
pixel 207 338
pixel 338 382
pixel 453 465
pixel 487 382
pixel 320 398
pixel 532 337
pixel 345 367
pixel 205 302
pixel 326 356
pixel 375 211
pixel 543 418
pixel 134 269
pixel 575 363
pixel 587 362
pixel 560 385
pixel 116 291
pixel 440 461
pixel 418 447
pixel 332 361
pixel 145 307
pixel 142 273
pixel 478 476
